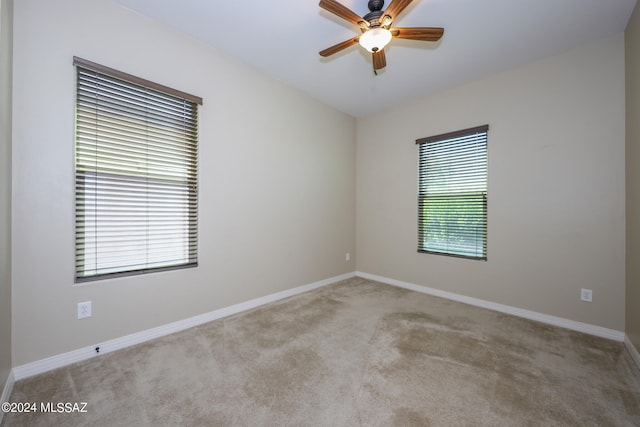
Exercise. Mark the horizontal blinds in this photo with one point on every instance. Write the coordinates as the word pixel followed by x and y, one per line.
pixel 452 199
pixel 136 178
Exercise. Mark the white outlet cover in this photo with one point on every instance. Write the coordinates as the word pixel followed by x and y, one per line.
pixel 586 295
pixel 84 309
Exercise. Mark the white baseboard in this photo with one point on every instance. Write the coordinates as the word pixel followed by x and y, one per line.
pixel 633 351
pixel 6 391
pixel 78 355
pixel 587 328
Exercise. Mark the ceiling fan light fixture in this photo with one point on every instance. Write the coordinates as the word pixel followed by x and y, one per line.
pixel 375 39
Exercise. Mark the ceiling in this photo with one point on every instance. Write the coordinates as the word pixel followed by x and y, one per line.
pixel 282 38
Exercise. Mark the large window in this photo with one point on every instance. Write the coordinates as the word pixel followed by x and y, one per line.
pixel 136 174
pixel 452 194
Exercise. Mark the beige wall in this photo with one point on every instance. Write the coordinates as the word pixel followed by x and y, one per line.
pixel 556 187
pixel 632 45
pixel 6 26
pixel 277 187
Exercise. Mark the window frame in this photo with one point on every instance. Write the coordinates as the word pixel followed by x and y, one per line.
pixel 471 199
pixel 179 192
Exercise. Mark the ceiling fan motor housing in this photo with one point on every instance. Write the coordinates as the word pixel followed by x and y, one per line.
pixel 375 7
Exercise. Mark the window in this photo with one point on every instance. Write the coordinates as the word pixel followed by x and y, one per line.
pixel 136 175
pixel 452 194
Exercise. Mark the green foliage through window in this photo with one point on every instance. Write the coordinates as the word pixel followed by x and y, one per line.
pixel 452 197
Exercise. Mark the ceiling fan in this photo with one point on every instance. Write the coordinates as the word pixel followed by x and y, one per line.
pixel 376 28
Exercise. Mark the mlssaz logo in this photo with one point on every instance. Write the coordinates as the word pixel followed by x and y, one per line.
pixel 63 407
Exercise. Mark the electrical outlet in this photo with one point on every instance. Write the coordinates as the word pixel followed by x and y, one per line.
pixel 84 309
pixel 586 295
pixel 347 256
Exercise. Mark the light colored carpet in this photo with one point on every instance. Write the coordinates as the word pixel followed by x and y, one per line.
pixel 357 353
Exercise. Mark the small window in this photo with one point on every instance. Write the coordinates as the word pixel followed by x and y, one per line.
pixel 452 194
pixel 136 175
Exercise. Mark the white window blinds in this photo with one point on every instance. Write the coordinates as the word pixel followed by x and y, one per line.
pixel 136 175
pixel 452 196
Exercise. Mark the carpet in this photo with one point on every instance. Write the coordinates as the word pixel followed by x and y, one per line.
pixel 355 353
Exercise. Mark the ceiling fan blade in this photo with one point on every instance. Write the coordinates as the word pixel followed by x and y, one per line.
pixel 396 7
pixel 342 12
pixel 338 47
pixel 418 33
pixel 379 60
